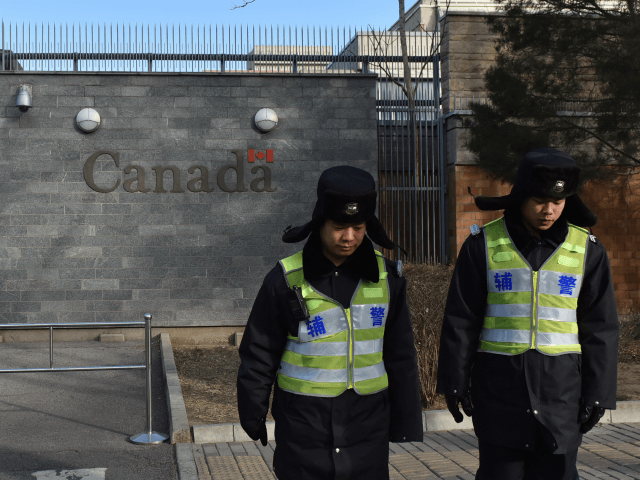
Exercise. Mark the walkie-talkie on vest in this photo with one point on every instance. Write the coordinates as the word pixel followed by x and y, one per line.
pixel 298 305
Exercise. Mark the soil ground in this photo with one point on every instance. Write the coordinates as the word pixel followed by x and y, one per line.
pixel 208 380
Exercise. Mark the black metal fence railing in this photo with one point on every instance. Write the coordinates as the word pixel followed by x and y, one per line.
pixel 205 48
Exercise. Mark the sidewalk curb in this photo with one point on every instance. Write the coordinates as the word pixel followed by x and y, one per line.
pixel 432 421
pixel 186 463
pixel 179 431
pixel 227 433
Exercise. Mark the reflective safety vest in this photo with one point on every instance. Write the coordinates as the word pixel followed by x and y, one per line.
pixel 336 348
pixel 527 309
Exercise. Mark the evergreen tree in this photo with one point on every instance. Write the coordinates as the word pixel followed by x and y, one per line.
pixel 567 75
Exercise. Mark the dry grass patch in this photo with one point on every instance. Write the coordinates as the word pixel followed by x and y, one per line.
pixel 427 288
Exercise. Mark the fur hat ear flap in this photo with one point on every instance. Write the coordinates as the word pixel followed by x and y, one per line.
pixel 375 231
pixel 298 234
pixel 512 201
pixel 576 212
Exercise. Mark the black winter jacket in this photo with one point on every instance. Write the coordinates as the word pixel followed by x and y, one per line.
pixel 345 437
pixel 516 396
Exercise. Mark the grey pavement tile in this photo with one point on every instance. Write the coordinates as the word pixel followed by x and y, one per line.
pixel 466 437
pixel 422 447
pixel 430 442
pixel 210 449
pixel 620 475
pixel 197 449
pixel 410 447
pixel 589 439
pixel 634 427
pixel 264 448
pixel 251 448
pixel 224 450
pixel 410 468
pixel 441 439
pixel 396 449
pixel 465 460
pixel 238 449
pixel 610 438
pixel 587 473
pixel 468 476
pixel 451 438
pixel 633 434
pixel 593 461
pixel 631 449
pixel 598 430
pixel 624 436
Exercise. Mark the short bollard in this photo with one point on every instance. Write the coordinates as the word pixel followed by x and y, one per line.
pixel 149 437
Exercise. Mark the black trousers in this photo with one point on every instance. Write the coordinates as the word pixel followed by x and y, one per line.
pixel 501 463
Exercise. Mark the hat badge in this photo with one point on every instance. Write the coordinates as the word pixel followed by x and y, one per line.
pixel 352 208
pixel 559 186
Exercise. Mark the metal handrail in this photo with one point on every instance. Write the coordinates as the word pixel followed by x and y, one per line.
pixel 146 438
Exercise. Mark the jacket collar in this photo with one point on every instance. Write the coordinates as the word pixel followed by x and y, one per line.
pixel 522 237
pixel 361 264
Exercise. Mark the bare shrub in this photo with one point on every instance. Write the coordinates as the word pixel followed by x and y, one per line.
pixel 427 287
pixel 629 346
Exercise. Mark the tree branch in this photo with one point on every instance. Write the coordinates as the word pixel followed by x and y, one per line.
pixel 245 3
pixel 386 70
pixel 600 139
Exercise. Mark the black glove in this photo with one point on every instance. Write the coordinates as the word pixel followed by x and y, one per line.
pixel 589 416
pixel 260 434
pixel 452 405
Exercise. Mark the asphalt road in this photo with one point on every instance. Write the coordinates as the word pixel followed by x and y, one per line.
pixel 76 425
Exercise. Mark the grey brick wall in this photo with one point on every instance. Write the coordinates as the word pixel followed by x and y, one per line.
pixel 71 254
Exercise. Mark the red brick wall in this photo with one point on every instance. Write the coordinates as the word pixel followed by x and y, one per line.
pixel 462 211
pixel 617 204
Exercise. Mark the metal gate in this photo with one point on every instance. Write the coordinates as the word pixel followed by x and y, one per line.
pixel 411 161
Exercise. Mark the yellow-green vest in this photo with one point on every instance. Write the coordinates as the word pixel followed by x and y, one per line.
pixel 336 348
pixel 528 309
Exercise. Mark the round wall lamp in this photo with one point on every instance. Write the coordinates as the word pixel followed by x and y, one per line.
pixel 266 119
pixel 88 120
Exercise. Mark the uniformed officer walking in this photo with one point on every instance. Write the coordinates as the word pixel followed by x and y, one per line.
pixel 330 325
pixel 530 335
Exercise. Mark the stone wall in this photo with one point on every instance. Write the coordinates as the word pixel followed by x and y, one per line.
pixel 108 243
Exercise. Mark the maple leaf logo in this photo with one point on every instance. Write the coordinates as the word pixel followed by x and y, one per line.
pixel 260 155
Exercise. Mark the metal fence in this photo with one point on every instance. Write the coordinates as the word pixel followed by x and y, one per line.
pixel 200 48
pixel 411 142
pixel 149 437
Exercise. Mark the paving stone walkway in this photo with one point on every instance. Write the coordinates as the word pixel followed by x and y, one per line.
pixel 607 452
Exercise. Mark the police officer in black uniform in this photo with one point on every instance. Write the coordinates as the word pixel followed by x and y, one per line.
pixel 530 398
pixel 346 379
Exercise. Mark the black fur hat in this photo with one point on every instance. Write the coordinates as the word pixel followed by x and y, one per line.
pixel 545 173
pixel 345 195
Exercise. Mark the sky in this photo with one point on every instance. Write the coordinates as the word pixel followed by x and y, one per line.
pixel 379 14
